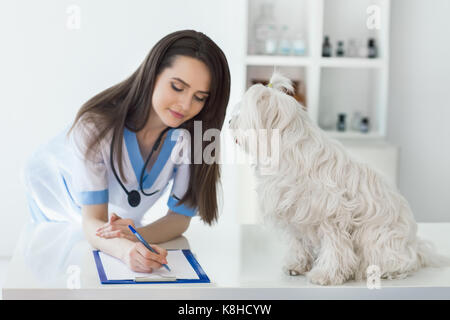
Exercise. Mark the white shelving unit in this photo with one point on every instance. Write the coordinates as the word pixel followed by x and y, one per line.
pixel 340 20
pixel 333 85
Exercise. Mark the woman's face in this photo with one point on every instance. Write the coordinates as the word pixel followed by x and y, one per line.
pixel 181 91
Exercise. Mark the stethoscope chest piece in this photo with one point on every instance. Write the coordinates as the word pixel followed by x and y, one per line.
pixel 134 198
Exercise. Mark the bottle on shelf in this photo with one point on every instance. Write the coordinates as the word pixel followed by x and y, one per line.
pixel 265 30
pixel 372 49
pixel 284 47
pixel 340 49
pixel 356 121
pixel 364 125
pixel 298 45
pixel 326 47
pixel 363 51
pixel 271 41
pixel 352 50
pixel 341 126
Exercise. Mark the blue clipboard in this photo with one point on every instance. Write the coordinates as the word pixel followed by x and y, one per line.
pixel 202 277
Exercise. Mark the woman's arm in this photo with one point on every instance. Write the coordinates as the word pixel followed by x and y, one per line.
pixel 134 254
pixel 93 217
pixel 170 226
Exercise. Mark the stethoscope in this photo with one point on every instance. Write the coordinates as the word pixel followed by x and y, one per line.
pixel 134 198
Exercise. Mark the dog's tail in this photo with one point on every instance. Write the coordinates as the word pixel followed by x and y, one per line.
pixel 428 257
pixel 281 83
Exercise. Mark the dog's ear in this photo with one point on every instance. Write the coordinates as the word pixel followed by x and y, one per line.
pixel 278 111
pixel 263 110
pixel 275 109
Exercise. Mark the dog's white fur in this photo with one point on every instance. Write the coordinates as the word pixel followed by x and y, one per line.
pixel 340 215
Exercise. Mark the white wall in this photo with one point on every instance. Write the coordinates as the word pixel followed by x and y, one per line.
pixel 419 109
pixel 49 71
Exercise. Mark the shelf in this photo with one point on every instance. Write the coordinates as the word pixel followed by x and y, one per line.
pixel 352 62
pixel 353 135
pixel 260 60
pixel 333 84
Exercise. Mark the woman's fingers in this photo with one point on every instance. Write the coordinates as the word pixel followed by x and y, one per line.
pixel 138 265
pixel 116 234
pixel 103 226
pixel 107 229
pixel 125 222
pixel 112 227
pixel 148 255
pixel 161 251
pixel 141 259
pixel 148 265
pixel 141 268
pixel 114 217
pixel 115 220
pixel 110 234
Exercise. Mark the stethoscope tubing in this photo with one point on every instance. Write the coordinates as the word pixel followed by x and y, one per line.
pixel 134 198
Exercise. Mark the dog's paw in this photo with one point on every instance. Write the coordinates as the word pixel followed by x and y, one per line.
pixel 295 269
pixel 324 278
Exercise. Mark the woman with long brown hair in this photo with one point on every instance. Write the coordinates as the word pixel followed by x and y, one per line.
pixel 120 154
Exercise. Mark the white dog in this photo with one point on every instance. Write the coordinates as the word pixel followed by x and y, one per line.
pixel 341 216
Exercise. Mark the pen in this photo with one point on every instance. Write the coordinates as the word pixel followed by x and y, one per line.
pixel 146 244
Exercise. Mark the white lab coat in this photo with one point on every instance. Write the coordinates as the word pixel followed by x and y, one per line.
pixel 59 180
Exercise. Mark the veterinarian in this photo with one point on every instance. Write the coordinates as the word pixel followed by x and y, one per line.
pixel 115 161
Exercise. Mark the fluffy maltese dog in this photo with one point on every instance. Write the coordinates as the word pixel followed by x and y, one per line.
pixel 342 218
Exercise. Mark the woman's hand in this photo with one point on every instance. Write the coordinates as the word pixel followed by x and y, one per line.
pixel 139 259
pixel 117 227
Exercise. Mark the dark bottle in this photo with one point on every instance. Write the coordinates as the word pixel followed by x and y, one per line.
pixel 364 125
pixel 372 48
pixel 341 122
pixel 326 47
pixel 340 49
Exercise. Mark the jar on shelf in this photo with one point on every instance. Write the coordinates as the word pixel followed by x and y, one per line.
pixel 326 47
pixel 341 125
pixel 265 37
pixel 352 49
pixel 363 51
pixel 271 41
pixel 372 49
pixel 340 49
pixel 298 44
pixel 284 47
pixel 364 125
pixel 356 121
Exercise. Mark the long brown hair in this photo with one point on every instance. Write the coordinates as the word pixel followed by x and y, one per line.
pixel 127 104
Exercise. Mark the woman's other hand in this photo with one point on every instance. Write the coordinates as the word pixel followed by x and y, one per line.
pixel 117 227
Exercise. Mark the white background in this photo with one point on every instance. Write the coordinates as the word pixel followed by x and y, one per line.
pixel 419 104
pixel 48 71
